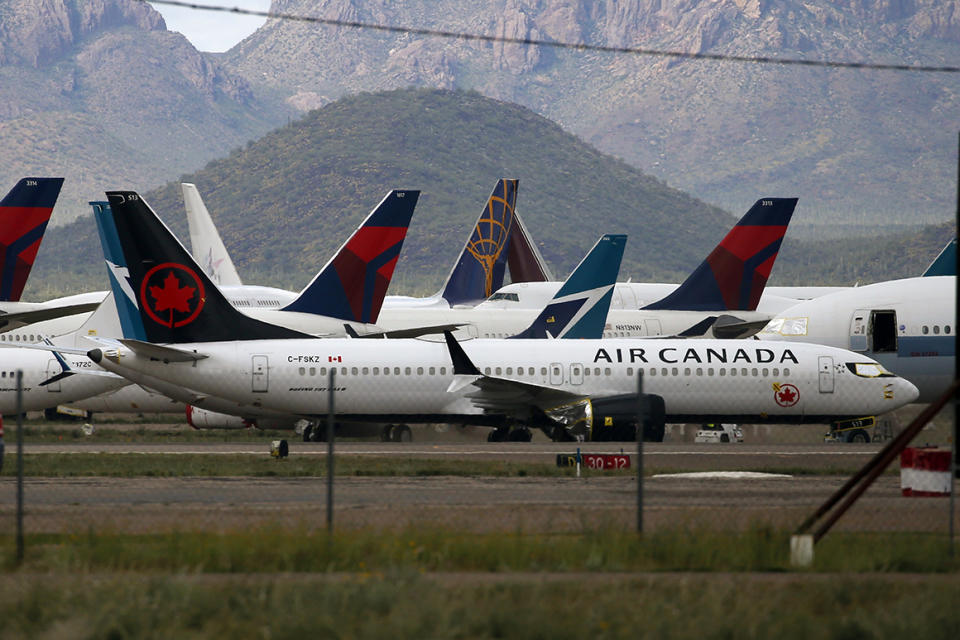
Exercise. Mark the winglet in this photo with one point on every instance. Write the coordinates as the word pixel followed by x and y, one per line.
pixel 353 284
pixel 579 309
pixel 24 213
pixel 207 246
pixel 462 365
pixel 479 270
pixel 735 273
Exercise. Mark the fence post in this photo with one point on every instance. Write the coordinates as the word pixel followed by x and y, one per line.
pixel 641 416
pixel 19 405
pixel 330 414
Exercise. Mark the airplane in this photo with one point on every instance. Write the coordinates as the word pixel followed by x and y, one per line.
pixel 945 264
pixel 906 325
pixel 569 388
pixel 24 214
pixel 572 314
pixel 205 242
pixel 731 279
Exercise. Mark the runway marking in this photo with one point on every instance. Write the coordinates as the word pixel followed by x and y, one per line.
pixel 723 475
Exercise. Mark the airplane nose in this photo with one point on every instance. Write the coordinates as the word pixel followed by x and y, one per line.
pixel 906 391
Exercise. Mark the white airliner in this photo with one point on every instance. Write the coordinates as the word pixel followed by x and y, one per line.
pixel 572 388
pixel 907 325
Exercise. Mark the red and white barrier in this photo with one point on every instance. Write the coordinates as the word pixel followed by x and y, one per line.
pixel 925 472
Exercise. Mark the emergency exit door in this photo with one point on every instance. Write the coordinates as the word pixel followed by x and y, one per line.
pixel 826 374
pixel 260 371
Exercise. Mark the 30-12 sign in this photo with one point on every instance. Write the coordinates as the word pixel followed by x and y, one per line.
pixel 595 460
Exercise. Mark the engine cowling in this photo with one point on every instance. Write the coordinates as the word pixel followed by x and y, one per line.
pixel 204 419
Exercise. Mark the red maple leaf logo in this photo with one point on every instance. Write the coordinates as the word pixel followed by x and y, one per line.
pixel 787 395
pixel 172 295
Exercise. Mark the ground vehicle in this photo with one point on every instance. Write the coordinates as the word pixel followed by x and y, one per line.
pixel 856 430
pixel 719 432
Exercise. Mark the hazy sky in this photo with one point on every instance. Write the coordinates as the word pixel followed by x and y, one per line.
pixel 213 30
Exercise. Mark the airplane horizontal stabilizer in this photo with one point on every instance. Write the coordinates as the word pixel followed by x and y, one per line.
pixel 161 352
pixel 10 321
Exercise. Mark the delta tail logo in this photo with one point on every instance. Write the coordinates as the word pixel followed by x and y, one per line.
pixel 172 295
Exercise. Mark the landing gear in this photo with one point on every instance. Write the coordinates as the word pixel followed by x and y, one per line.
pixel 521 434
pixel 500 434
pixel 396 433
pixel 315 433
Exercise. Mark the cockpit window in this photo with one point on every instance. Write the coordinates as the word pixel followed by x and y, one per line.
pixel 869 370
pixel 505 297
pixel 787 326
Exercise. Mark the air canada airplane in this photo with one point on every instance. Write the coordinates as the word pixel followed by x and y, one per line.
pixel 907 325
pixel 568 388
pixel 577 311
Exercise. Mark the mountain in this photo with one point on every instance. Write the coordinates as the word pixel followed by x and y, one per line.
pixel 285 202
pixel 861 147
pixel 100 92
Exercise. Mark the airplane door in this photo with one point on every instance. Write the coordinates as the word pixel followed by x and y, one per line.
pixel 826 374
pixel 859 324
pixel 260 375
pixel 576 373
pixel 53 368
pixel 653 327
pixel 556 373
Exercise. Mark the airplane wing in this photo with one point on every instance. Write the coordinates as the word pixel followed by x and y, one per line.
pixel 413 332
pixel 501 395
pixel 11 321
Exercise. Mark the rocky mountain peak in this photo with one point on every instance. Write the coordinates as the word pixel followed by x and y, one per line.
pixel 38 33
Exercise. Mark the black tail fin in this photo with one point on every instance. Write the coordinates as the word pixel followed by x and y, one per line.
pixel 176 300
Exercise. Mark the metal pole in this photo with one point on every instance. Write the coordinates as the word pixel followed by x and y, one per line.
pixel 641 416
pixel 956 364
pixel 20 546
pixel 330 414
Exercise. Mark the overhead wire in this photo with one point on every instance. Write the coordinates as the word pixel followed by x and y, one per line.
pixel 556 44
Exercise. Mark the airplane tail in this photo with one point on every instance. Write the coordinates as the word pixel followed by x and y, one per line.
pixel 579 309
pixel 524 259
pixel 479 270
pixel 944 264
pixel 175 301
pixel 353 284
pixel 735 273
pixel 24 213
pixel 205 241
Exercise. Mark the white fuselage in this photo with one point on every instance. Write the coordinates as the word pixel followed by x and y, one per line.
pixel 409 379
pixel 907 325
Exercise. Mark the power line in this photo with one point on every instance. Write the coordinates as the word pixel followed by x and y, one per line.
pixel 437 33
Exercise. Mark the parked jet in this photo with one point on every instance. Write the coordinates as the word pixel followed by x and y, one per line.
pixel 206 345
pixel 906 325
pixel 730 280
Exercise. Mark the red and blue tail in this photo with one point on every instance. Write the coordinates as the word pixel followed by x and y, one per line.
pixel 735 273
pixel 24 214
pixel 353 284
pixel 480 268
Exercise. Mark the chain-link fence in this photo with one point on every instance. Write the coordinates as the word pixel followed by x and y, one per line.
pixel 115 476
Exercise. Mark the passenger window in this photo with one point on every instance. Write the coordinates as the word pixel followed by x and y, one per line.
pixel 925 330
pixel 396 371
pixel 663 371
pixel 408 371
pixel 686 371
pixel 723 372
pixel 543 371
pixel 443 371
pixel 433 371
pixel 653 371
pixel 353 371
pixel 766 372
pixel 323 371
pixel 419 371
pixel 498 371
pixel 629 372
pixel 301 371
pixel 709 371
pixel 596 371
pixel 936 328
pixel 376 371
pixel 607 371
pixel 733 371
pixel 365 371
pixel 509 371
pixel 946 329
pixel 699 371
pixel 586 371
pixel 343 371
pixel 313 371
pixel 786 371
pixel 753 372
